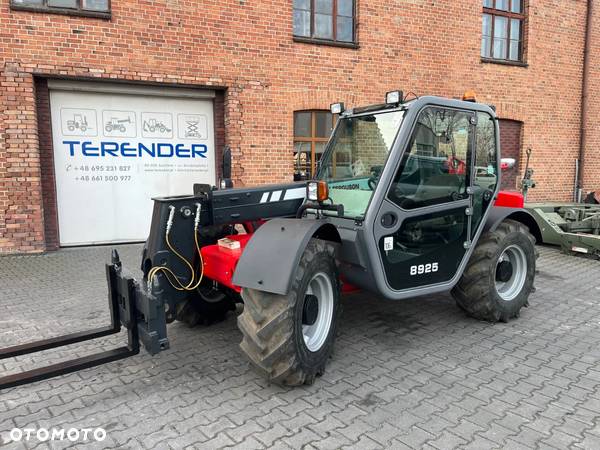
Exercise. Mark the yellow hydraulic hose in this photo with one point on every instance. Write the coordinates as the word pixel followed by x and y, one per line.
pixel 190 286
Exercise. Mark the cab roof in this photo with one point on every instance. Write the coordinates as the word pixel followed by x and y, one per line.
pixel 419 102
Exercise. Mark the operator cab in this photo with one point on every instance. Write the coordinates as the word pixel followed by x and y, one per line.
pixel 414 178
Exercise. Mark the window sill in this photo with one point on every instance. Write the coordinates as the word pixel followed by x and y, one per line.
pixel 315 41
pixel 504 62
pixel 62 11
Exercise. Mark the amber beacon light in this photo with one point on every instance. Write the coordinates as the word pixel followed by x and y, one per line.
pixel 470 96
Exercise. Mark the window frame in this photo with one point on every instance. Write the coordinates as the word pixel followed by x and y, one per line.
pixel 312 139
pixel 333 42
pixel 78 11
pixel 509 15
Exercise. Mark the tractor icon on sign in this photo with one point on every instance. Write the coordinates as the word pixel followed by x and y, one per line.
pixel 78 122
pixel 116 124
pixel 154 126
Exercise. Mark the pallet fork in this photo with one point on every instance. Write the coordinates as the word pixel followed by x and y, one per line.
pixel 131 306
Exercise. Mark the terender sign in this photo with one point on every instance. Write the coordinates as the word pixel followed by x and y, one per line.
pixel 114 151
pixel 137 150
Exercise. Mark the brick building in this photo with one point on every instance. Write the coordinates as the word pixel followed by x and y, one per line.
pixel 258 65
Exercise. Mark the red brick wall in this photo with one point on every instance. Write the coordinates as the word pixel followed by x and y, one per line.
pixel 219 122
pixel 21 218
pixel 247 49
pixel 510 143
pixel 591 172
pixel 42 98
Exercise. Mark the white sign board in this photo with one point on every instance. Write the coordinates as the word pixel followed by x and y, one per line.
pixel 114 152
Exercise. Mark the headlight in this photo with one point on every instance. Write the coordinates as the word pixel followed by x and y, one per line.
pixel 312 191
pixel 317 191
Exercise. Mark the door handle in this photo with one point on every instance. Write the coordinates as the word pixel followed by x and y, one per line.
pixel 486 198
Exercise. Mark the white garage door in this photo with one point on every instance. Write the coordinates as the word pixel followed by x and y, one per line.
pixel 116 149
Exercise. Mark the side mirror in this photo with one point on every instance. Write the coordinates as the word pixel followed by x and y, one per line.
pixel 507 163
pixel 226 181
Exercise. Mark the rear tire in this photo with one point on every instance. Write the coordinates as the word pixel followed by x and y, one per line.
pixel 289 338
pixel 499 276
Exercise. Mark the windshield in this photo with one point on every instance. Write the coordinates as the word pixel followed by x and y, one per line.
pixel 354 160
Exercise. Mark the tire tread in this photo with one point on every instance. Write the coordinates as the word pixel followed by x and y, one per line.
pixel 267 325
pixel 473 292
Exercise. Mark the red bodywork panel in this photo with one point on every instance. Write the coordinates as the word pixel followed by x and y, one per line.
pixel 510 199
pixel 220 262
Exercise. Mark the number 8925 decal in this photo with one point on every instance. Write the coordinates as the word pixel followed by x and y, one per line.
pixel 424 268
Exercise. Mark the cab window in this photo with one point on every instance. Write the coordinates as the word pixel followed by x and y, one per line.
pixel 485 177
pixel 435 167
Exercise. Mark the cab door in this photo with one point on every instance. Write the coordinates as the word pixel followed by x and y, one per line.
pixel 434 205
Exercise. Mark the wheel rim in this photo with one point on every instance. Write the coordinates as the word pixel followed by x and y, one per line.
pixel 511 272
pixel 315 334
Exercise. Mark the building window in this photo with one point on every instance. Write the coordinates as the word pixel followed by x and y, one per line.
pixel 311 133
pixel 502 31
pixel 100 8
pixel 325 20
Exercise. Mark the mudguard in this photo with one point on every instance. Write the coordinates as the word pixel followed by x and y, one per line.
pixel 499 213
pixel 274 251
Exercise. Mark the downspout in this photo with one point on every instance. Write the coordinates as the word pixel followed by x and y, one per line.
pixel 584 101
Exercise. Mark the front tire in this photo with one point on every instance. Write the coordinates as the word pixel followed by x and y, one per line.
pixel 289 338
pixel 499 277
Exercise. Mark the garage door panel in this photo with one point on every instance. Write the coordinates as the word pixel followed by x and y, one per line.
pixel 114 152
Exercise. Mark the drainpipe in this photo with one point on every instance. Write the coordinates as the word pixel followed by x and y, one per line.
pixel 584 100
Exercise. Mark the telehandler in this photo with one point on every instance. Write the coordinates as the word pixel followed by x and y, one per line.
pixel 405 203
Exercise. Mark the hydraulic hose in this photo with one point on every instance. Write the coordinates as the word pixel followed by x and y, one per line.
pixel 174 281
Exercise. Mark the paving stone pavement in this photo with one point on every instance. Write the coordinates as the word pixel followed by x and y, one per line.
pixel 406 374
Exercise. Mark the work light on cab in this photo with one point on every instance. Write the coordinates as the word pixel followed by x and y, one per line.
pixel 336 108
pixel 393 97
pixel 317 191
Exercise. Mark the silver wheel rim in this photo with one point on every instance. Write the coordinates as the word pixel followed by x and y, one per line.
pixel 316 334
pixel 509 289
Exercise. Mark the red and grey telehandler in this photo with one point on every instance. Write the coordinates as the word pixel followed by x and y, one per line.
pixel 405 203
